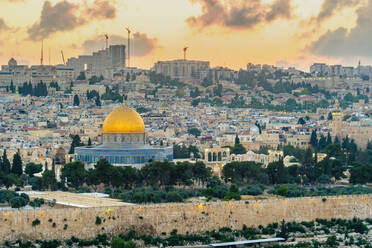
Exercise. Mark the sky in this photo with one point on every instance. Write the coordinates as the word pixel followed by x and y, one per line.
pixel 228 33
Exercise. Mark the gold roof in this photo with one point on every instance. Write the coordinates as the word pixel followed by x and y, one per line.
pixel 123 120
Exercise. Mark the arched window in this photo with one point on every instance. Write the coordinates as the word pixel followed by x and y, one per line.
pixel 214 156
pixel 209 157
pixel 224 154
pixel 219 156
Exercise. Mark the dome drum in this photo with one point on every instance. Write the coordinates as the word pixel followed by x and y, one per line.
pixel 122 138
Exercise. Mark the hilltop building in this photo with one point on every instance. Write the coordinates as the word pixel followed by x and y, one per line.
pixel 183 69
pixel 124 142
pixel 103 62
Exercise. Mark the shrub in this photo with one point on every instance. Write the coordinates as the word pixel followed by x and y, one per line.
pixel 117 242
pixel 98 220
pixel 37 202
pixel 108 190
pixel 231 195
pixel 35 222
pixel 174 197
pixel 332 241
pixel 253 189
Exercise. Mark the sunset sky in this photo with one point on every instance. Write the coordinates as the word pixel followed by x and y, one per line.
pixel 225 32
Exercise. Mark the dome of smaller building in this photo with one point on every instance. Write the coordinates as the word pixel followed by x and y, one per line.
pixel 12 62
pixel 123 120
pixel 254 130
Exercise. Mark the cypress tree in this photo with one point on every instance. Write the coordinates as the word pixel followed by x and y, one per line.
pixel 237 140
pixel 76 100
pixel 314 139
pixel 5 165
pixel 329 139
pixel 12 88
pixel 17 165
pixel 89 142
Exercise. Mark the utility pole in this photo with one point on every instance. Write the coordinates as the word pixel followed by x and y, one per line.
pixel 129 31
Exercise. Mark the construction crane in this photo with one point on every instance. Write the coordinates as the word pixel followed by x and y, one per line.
pixel 63 57
pixel 42 51
pixel 106 37
pixel 129 31
pixel 184 52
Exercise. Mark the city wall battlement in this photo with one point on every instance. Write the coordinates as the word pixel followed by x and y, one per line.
pixel 155 219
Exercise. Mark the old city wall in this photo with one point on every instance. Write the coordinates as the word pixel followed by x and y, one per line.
pixel 189 217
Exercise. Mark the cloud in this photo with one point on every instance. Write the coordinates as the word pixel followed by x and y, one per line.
pixel 66 16
pixel 347 43
pixel 280 8
pixel 330 7
pixel 101 9
pixel 239 14
pixel 60 17
pixel 141 44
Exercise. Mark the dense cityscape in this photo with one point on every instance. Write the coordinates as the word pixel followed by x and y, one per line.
pixel 96 152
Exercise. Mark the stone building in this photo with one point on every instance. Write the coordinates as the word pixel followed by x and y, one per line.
pixel 182 69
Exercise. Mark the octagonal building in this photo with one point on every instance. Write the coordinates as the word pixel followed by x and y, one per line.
pixel 124 142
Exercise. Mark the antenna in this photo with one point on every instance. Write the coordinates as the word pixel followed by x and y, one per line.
pixel 129 31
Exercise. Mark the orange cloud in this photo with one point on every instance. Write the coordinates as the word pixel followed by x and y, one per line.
pixel 236 14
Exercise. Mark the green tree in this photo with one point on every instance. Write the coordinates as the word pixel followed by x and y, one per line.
pixel 314 140
pixel 10 180
pixel 76 142
pixel 74 174
pixel 301 121
pixel 81 76
pixel 98 102
pixel 76 100
pixel 5 164
pixel 17 165
pixel 308 165
pixel 32 169
pixel 330 117
pixel 322 143
pixel 238 149
pixel 11 87
pixel 237 140
pixel 361 174
pixel 89 142
pixel 18 202
pixel 107 173
pixel 276 172
pixel 194 131
pixel 49 180
pixel 117 242
pixel 329 139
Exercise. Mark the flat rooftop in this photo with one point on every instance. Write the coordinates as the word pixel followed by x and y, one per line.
pixel 84 200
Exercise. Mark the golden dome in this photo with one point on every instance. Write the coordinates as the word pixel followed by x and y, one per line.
pixel 123 120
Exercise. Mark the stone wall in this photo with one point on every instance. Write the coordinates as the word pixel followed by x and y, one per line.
pixel 190 217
